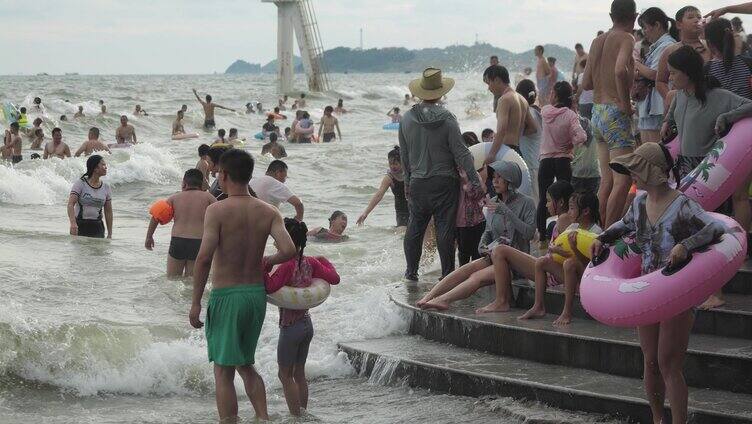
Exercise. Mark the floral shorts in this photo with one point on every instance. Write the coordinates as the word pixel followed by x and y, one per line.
pixel 612 126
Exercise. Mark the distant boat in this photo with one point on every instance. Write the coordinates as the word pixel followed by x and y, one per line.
pixel 43 74
pixel 71 73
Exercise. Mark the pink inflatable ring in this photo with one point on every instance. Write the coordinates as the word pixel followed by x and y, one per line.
pixel 613 291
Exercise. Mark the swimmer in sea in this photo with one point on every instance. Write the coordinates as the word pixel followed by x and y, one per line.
pixel 394 179
pixel 36 125
pixel 177 126
pixel 268 126
pixel 407 100
pixel 36 138
pixel 302 101
pixel 280 106
pixel 327 126
pixel 220 137
pixel 37 103
pixel 274 148
pixel 102 108
pixel 394 113
pixel 56 148
pixel 277 112
pixel 63 118
pixel 92 144
pixel 189 207
pixel 203 164
pixel 12 143
pixel 232 137
pixel 337 226
pixel 80 113
pixel 340 109
pixel 249 109
pixel 209 109
pixel 184 108
pixel 139 112
pixel 125 133
pixel 259 108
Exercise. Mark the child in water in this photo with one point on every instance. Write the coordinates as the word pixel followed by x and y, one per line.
pixel 583 210
pixel 668 226
pixel 395 115
pixel 296 329
pixel 337 227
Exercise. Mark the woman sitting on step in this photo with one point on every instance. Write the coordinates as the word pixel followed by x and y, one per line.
pixel 511 222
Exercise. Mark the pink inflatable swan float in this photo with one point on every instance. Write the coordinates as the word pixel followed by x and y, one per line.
pixel 612 289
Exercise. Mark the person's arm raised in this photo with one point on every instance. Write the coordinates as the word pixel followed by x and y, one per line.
pixel 197 97
pixel 224 107
pixel 202 265
pixel 377 197
pixel 743 8
pixel 285 247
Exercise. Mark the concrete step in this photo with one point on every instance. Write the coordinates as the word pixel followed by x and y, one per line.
pixel 458 371
pixel 742 281
pixel 734 319
pixel 712 361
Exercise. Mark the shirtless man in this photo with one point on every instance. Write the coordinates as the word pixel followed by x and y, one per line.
pixel 80 113
pixel 56 147
pixel 36 137
pixel 274 148
pixel 102 108
pixel 92 144
pixel 609 73
pixel 12 144
pixel 578 69
pixel 177 126
pixel 513 116
pixel 125 133
pixel 209 109
pixel 189 207
pixel 203 164
pixel 328 124
pixel 234 237
pixel 689 24
pixel 302 101
pixel 281 105
pixel 542 76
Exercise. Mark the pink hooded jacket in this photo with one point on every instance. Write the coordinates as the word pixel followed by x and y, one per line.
pixel 561 131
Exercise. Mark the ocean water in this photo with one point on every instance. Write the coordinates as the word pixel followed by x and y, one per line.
pixel 92 331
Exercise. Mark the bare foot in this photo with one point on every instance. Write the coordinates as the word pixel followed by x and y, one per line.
pixel 493 307
pixel 438 304
pixel 423 301
pixel 534 312
pixel 712 302
pixel 564 319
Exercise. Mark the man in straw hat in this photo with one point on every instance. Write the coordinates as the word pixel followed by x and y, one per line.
pixel 432 149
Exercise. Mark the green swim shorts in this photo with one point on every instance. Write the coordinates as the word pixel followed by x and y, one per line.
pixel 612 126
pixel 234 319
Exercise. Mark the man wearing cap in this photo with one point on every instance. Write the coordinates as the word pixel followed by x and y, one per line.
pixel 432 149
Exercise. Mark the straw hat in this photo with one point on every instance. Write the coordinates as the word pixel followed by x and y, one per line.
pixel 431 86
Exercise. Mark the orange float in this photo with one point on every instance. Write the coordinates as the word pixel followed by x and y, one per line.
pixel 162 211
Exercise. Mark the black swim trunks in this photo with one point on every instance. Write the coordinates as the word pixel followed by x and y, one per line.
pixel 90 228
pixel 16 158
pixel 329 137
pixel 209 123
pixel 184 249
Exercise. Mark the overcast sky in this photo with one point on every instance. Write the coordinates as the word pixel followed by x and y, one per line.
pixel 200 36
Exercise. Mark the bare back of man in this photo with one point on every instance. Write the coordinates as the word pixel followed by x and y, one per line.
pixel 91 146
pixel 187 230
pixel 510 119
pixel 609 73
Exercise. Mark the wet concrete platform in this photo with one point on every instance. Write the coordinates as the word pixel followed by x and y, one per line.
pixel 447 368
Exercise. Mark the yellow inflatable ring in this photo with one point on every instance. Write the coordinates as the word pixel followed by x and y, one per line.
pixel 584 240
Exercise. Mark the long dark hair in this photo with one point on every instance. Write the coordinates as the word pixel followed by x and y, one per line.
pixel 470 138
pixel 91 165
pixel 687 60
pixel 588 200
pixel 654 15
pixel 563 93
pixel 299 234
pixel 526 88
pixel 720 34
pixel 394 155
pixel 561 190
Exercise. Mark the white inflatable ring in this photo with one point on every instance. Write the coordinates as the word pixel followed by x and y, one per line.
pixel 301 297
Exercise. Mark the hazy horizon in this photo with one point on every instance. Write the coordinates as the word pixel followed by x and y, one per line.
pixel 176 37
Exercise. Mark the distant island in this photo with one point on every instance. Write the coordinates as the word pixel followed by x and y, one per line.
pixel 398 59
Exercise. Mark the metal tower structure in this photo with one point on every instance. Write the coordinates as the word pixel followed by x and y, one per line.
pixel 298 17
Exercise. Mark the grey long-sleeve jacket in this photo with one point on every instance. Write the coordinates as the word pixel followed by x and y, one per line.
pixel 431 144
pixel 513 219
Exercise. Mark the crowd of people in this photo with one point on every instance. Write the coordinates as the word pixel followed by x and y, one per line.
pixel 593 145
pixel 596 147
